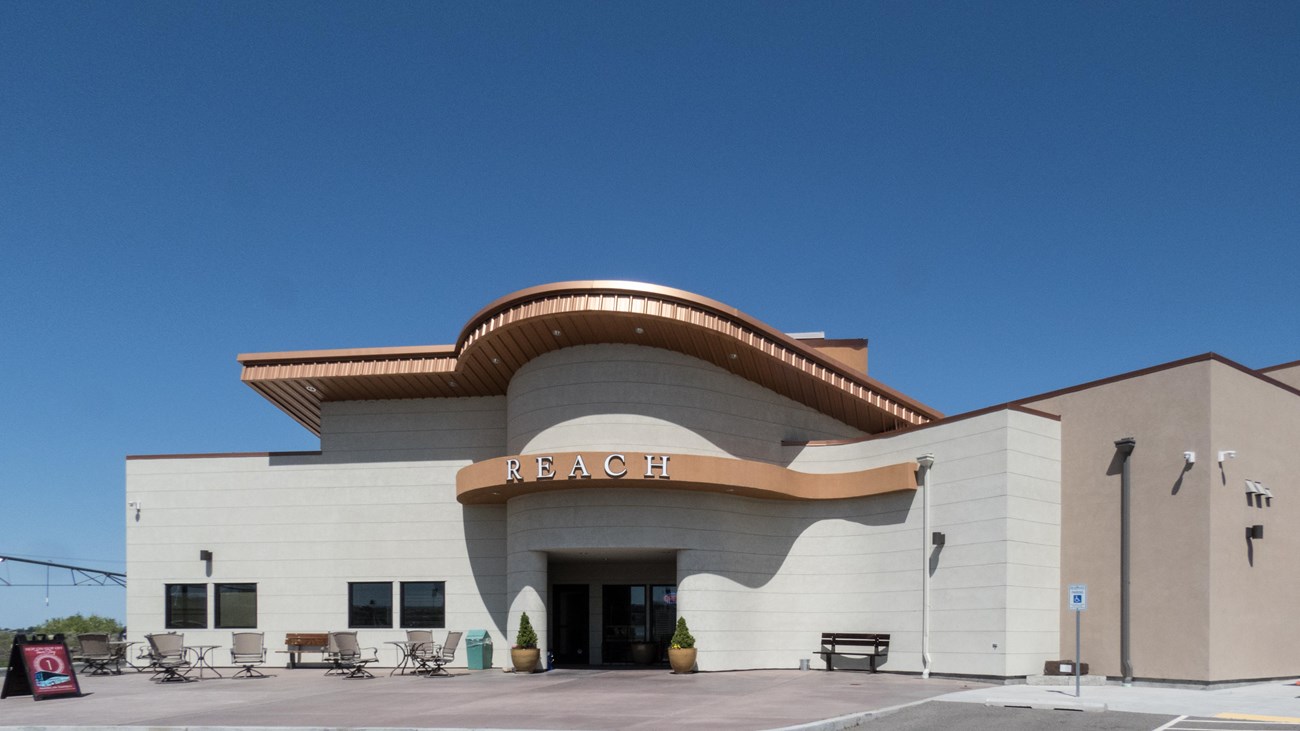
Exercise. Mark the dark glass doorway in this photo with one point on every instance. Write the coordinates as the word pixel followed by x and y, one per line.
pixel 638 622
pixel 570 624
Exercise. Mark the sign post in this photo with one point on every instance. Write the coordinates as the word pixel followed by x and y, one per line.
pixel 1078 603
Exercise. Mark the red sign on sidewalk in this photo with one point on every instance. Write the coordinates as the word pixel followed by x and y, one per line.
pixel 41 670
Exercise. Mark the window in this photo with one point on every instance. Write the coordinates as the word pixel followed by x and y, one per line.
pixel 370 604
pixel 187 606
pixel 424 604
pixel 236 606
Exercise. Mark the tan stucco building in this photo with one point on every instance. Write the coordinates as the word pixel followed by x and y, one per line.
pixel 608 456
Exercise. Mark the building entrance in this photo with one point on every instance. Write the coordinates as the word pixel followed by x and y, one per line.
pixel 637 622
pixel 570 625
pixel 611 607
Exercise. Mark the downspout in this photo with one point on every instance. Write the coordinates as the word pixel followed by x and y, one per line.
pixel 1125 447
pixel 924 463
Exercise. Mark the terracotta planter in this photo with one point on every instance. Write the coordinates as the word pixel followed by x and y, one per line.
pixel 525 659
pixel 682 659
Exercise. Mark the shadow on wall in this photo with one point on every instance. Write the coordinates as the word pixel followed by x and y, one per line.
pixel 744 540
pixel 485 543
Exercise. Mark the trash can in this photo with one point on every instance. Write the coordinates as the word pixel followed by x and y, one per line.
pixel 478 649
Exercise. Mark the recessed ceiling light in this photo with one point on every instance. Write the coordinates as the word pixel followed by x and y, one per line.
pixel 732 356
pixel 556 333
pixel 640 331
pixel 310 389
pixel 495 360
pixel 453 384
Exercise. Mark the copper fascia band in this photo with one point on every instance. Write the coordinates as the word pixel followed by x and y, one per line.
pixel 490 481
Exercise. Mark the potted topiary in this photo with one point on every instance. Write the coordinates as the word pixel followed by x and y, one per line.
pixel 681 652
pixel 525 655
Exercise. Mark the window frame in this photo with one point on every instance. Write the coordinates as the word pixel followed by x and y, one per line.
pixel 169 619
pixel 352 606
pixel 217 622
pixel 439 608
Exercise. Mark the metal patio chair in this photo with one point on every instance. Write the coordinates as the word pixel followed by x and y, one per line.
pixel 445 655
pixel 97 655
pixel 248 650
pixel 421 649
pixel 169 657
pixel 351 656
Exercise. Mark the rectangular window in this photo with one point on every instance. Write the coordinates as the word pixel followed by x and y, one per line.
pixel 187 606
pixel 424 604
pixel 370 604
pixel 236 606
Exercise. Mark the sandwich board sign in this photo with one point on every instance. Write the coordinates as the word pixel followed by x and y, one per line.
pixel 41 669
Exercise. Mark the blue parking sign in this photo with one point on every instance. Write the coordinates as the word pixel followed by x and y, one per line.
pixel 1078 597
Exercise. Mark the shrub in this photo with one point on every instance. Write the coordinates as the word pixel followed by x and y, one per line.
pixel 682 638
pixel 527 638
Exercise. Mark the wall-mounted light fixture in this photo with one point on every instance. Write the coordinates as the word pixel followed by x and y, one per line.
pixel 1190 458
pixel 205 555
pixel 1227 454
pixel 135 505
pixel 1255 532
pixel 938 538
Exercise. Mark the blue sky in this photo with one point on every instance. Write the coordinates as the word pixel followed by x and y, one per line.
pixel 1004 197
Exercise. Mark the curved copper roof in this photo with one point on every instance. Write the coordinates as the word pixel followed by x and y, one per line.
pixel 519 327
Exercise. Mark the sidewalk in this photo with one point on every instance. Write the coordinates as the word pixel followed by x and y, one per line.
pixel 1279 700
pixel 581 700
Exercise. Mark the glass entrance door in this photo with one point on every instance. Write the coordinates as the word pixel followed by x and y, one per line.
pixel 638 622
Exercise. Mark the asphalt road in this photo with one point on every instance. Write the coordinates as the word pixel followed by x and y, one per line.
pixel 972 717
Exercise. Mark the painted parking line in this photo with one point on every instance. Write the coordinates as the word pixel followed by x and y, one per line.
pixel 1233 722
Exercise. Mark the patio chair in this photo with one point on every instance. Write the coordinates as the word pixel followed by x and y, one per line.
pixel 331 656
pixel 351 656
pixel 169 657
pixel 248 650
pixel 446 654
pixel 422 648
pixel 97 655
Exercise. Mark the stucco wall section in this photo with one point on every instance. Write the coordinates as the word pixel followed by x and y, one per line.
pixel 1168 413
pixel 1254 585
pixel 628 397
pixel 377 504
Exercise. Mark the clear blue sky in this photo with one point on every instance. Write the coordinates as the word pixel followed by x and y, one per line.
pixel 1004 197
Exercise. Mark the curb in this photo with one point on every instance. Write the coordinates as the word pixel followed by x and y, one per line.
pixel 1046 705
pixel 851 721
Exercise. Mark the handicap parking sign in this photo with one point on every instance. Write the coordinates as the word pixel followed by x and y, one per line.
pixel 1078 597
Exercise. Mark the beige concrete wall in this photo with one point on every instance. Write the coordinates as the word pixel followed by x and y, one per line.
pixel 628 397
pixel 759 580
pixel 1254 585
pixel 377 504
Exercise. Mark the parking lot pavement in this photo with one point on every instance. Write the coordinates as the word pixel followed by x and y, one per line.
pixel 580 700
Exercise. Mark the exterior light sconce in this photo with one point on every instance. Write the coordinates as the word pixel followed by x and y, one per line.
pixel 1255 532
pixel 1227 454
pixel 938 538
pixel 1190 458
pixel 205 555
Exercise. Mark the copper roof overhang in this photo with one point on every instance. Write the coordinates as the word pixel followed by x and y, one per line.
pixel 513 330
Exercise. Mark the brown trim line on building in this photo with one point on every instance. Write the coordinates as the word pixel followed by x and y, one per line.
pixel 599 286
pixel 514 329
pixel 1215 357
pixel 224 455
pixel 1279 367
pixel 1012 406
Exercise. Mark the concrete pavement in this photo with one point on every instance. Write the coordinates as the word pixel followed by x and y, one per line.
pixel 593 699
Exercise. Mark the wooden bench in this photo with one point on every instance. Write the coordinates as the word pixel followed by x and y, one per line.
pixel 296 643
pixel 859 644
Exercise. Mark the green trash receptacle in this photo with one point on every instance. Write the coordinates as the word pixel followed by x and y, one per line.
pixel 478 649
